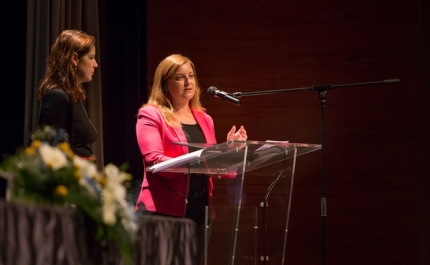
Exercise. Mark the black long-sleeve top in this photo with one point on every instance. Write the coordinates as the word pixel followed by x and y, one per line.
pixel 59 111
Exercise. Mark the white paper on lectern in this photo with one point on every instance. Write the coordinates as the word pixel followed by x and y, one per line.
pixel 180 160
pixel 268 145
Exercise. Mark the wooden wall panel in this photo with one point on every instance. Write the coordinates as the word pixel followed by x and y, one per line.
pixel 377 170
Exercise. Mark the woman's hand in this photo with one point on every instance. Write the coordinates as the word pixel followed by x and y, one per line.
pixel 239 135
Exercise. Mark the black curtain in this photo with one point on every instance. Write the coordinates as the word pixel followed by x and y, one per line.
pixel 14 23
pixel 123 52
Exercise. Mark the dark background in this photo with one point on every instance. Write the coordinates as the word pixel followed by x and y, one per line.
pixel 377 161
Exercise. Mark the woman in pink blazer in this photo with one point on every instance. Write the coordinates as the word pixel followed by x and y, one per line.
pixel 174 113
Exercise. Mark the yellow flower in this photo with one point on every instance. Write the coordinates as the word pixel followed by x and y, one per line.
pixel 77 173
pixel 102 181
pixel 65 147
pixel 61 191
pixel 29 150
pixel 36 143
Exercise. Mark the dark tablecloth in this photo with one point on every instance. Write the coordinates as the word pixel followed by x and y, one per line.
pixel 52 235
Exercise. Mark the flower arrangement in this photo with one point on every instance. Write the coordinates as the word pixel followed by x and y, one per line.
pixel 49 172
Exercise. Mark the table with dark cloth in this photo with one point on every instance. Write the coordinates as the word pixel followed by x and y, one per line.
pixel 52 235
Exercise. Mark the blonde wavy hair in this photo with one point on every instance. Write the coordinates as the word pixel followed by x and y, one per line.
pixel 166 69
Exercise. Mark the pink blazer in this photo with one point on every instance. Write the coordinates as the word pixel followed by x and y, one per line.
pixel 155 142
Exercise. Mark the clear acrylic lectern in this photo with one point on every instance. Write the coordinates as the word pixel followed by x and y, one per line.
pixel 233 159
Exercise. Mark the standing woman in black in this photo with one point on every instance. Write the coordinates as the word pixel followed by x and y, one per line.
pixel 71 62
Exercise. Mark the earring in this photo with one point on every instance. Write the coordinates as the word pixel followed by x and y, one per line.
pixel 166 92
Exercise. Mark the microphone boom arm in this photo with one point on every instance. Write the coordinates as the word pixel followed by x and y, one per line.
pixel 316 87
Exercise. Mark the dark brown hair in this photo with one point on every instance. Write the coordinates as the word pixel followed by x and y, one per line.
pixel 60 71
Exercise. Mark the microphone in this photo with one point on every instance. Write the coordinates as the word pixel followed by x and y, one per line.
pixel 223 95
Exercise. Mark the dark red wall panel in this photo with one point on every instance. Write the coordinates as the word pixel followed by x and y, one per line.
pixel 377 162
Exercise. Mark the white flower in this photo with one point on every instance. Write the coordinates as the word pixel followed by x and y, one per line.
pixel 114 199
pixel 109 208
pixel 52 156
pixel 114 180
pixel 114 175
pixel 85 167
pixel 88 174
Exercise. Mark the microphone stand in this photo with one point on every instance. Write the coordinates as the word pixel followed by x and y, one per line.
pixel 322 93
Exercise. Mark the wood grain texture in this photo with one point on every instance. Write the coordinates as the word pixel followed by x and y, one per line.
pixel 377 161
